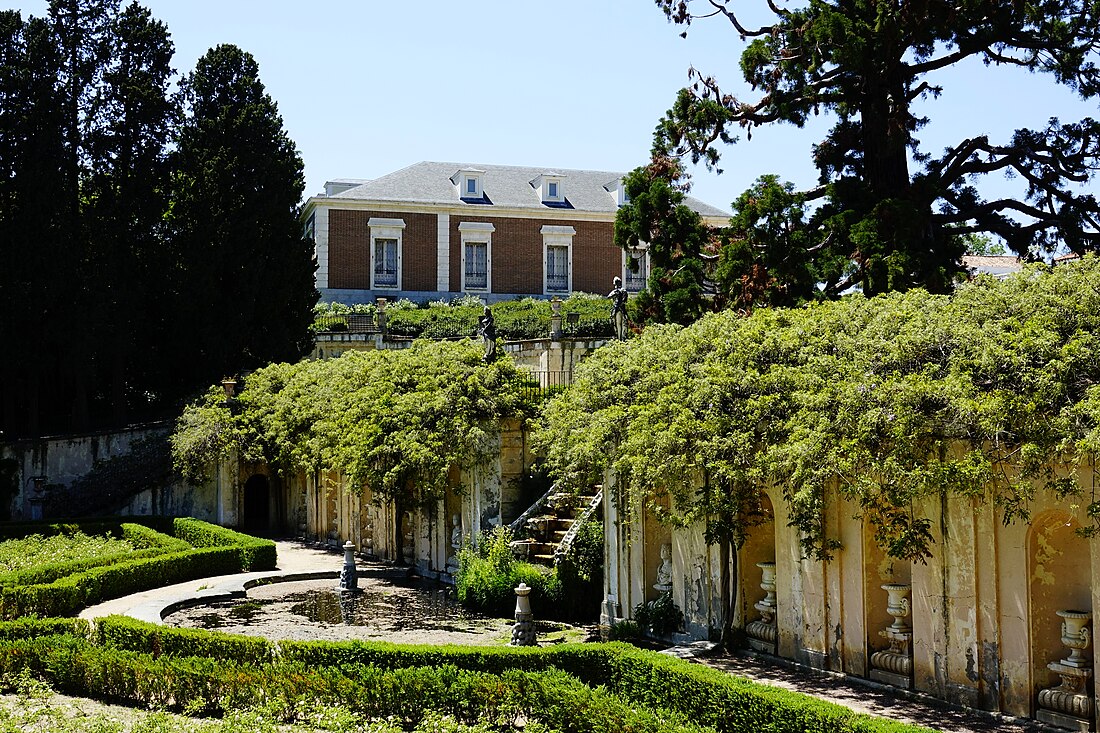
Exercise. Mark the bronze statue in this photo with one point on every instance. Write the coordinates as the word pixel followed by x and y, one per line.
pixel 618 298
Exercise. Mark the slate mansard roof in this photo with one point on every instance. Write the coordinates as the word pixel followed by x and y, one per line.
pixel 503 186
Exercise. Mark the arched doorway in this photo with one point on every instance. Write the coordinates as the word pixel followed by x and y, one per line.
pixel 257 506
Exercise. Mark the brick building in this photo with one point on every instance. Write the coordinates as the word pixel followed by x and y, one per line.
pixel 436 230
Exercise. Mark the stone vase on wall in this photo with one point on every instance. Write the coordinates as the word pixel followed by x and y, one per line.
pixel 1069 704
pixel 894 665
pixel 763 633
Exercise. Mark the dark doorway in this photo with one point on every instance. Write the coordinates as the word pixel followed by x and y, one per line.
pixel 257 506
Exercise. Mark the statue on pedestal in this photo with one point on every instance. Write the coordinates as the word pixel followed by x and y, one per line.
pixel 618 298
pixel 456 544
pixel 487 329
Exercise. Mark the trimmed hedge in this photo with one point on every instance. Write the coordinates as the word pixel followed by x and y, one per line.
pixel 255 553
pixel 101 525
pixel 210 550
pixel 693 692
pixel 153 543
pixel 75 667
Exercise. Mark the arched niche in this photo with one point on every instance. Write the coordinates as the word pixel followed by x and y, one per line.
pixel 757 605
pixel 654 535
pixel 1059 579
pixel 256 512
pixel 887 586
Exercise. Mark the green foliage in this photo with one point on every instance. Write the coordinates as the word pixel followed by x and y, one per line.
pixel 580 573
pixel 488 574
pixel 870 221
pixel 36 550
pixel 625 630
pixel 526 318
pixel 62 588
pixel 395 421
pixel 583 688
pixel 237 180
pixel 660 616
pixel 677 240
pixel 888 402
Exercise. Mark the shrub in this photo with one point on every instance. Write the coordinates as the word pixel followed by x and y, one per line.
pixel 201 550
pixel 589 687
pixel 488 574
pixel 255 553
pixel 661 616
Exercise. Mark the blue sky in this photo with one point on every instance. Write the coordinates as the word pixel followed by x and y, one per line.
pixel 367 87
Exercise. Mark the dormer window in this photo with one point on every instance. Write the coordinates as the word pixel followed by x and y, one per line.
pixel 468 181
pixel 617 191
pixel 551 188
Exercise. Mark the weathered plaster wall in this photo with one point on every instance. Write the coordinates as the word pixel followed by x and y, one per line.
pixel 983 606
pixel 62 460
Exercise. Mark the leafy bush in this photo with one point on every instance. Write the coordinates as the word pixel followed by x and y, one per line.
pixel 488 574
pixel 255 553
pixel 661 615
pixel 886 403
pixel 580 573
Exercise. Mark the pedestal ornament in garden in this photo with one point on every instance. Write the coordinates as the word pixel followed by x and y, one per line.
pixel 349 576
pixel 523 633
pixel 1069 704
pixel 763 632
pixel 895 665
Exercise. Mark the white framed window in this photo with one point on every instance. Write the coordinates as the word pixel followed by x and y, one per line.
pixel 477 255
pixel 551 187
pixel 557 259
pixel 385 253
pixel 469 183
pixel 635 281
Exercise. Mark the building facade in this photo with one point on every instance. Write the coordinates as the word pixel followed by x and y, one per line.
pixel 438 230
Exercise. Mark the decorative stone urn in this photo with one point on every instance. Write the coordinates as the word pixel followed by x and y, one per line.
pixel 1069 705
pixel 894 665
pixel 763 632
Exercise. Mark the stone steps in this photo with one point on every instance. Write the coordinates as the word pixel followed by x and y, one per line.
pixel 546 531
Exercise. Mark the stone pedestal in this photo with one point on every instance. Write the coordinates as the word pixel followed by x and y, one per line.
pixel 456 545
pixel 523 633
pixel 349 576
pixel 555 319
pixel 1069 705
pixel 610 613
pixel 894 665
pixel 763 632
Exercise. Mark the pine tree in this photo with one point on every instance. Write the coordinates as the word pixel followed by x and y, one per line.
pixel 874 222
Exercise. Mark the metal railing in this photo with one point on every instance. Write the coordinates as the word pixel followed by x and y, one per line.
pixel 349 323
pixel 578 522
pixel 538 383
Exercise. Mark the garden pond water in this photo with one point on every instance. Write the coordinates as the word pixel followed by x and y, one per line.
pixel 400 611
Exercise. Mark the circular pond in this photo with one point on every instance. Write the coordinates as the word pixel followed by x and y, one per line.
pixel 401 611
